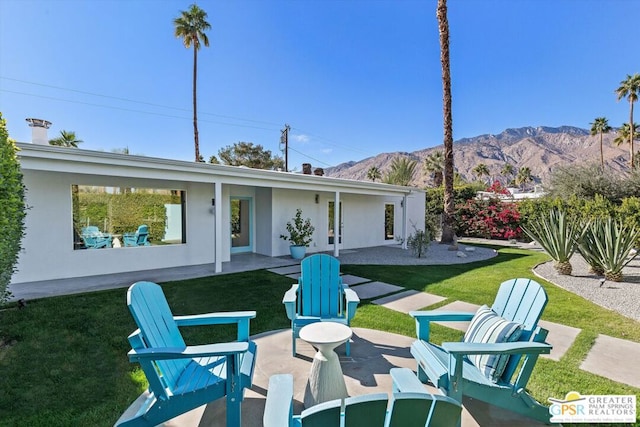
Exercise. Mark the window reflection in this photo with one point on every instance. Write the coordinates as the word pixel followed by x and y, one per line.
pixel 113 217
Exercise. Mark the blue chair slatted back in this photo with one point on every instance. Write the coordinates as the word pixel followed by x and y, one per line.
pixel 91 230
pixel 322 415
pixel 321 287
pixel 142 235
pixel 523 301
pixel 368 410
pixel 152 314
pixel 410 409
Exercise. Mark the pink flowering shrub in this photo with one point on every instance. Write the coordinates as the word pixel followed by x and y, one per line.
pixel 498 188
pixel 488 219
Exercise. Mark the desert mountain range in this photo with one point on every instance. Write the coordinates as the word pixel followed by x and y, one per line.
pixel 542 149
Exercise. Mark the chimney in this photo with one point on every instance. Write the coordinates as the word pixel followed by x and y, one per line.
pixel 306 168
pixel 39 131
pixel 318 171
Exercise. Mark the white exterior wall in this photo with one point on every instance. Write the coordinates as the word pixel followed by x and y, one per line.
pixel 49 172
pixel 48 243
pixel 362 218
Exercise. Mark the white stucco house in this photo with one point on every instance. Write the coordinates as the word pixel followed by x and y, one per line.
pixel 221 210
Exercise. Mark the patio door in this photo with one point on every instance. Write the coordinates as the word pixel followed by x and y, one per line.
pixel 241 225
pixel 335 227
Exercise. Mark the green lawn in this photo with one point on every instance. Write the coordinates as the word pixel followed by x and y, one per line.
pixel 66 361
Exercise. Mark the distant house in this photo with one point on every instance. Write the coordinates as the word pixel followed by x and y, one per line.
pixel 196 213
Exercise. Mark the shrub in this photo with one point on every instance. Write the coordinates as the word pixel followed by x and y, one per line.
pixel 300 231
pixel 12 210
pixel 491 218
pixel 419 242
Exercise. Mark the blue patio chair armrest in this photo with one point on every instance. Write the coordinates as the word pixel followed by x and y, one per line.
pixel 423 318
pixel 352 300
pixel 289 301
pixel 241 318
pixel 520 347
pixel 218 318
pixel 189 352
pixel 278 410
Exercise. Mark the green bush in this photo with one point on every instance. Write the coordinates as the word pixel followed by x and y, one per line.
pixel 12 210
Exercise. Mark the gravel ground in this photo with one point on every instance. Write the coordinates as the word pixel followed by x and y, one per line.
pixel 437 254
pixel 623 297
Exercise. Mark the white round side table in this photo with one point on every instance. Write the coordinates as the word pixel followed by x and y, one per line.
pixel 326 381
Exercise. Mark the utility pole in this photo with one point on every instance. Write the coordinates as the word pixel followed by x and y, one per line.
pixel 284 140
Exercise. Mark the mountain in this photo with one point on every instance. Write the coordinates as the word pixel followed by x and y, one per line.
pixel 542 149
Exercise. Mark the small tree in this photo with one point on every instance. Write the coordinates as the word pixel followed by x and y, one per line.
pixel 300 231
pixel 12 210
pixel 249 155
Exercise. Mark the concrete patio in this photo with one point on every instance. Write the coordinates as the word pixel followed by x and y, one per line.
pixel 373 354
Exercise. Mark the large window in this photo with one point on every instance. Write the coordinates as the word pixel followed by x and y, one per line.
pixel 389 211
pixel 113 217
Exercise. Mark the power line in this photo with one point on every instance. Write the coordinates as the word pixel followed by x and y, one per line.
pixel 134 111
pixel 132 100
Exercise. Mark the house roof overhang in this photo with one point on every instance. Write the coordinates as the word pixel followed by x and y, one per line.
pixel 99 163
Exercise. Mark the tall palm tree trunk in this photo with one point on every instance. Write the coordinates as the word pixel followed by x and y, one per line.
pixel 601 153
pixel 448 234
pixel 195 104
pixel 631 135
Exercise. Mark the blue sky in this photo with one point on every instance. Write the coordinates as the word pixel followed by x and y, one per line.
pixel 353 78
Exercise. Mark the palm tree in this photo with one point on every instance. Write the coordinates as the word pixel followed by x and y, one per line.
pixel 448 234
pixel 630 88
pixel 66 139
pixel 481 170
pixel 507 171
pixel 524 176
pixel 373 173
pixel 401 172
pixel 433 165
pixel 190 26
pixel 599 126
pixel 624 134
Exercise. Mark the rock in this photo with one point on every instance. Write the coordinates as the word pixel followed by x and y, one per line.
pixel 453 247
pixel 470 249
pixel 461 254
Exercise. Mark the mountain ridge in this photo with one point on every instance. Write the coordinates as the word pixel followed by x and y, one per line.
pixel 541 148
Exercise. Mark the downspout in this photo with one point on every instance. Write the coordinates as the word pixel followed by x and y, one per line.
pixel 336 225
pixel 218 225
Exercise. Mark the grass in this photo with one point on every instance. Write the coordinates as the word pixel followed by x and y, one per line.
pixel 65 363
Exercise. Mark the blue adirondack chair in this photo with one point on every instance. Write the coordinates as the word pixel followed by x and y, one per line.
pixel 369 410
pixel 319 296
pixel 471 367
pixel 93 238
pixel 183 377
pixel 139 238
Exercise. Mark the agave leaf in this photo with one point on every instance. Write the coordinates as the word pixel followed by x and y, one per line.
pixel 557 234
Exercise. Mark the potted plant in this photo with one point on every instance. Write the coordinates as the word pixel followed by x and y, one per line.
pixel 300 232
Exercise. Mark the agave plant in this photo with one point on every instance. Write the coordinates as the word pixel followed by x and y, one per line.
pixel 557 235
pixel 587 246
pixel 611 246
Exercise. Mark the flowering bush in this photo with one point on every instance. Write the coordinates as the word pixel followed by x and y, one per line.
pixel 488 219
pixel 498 188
